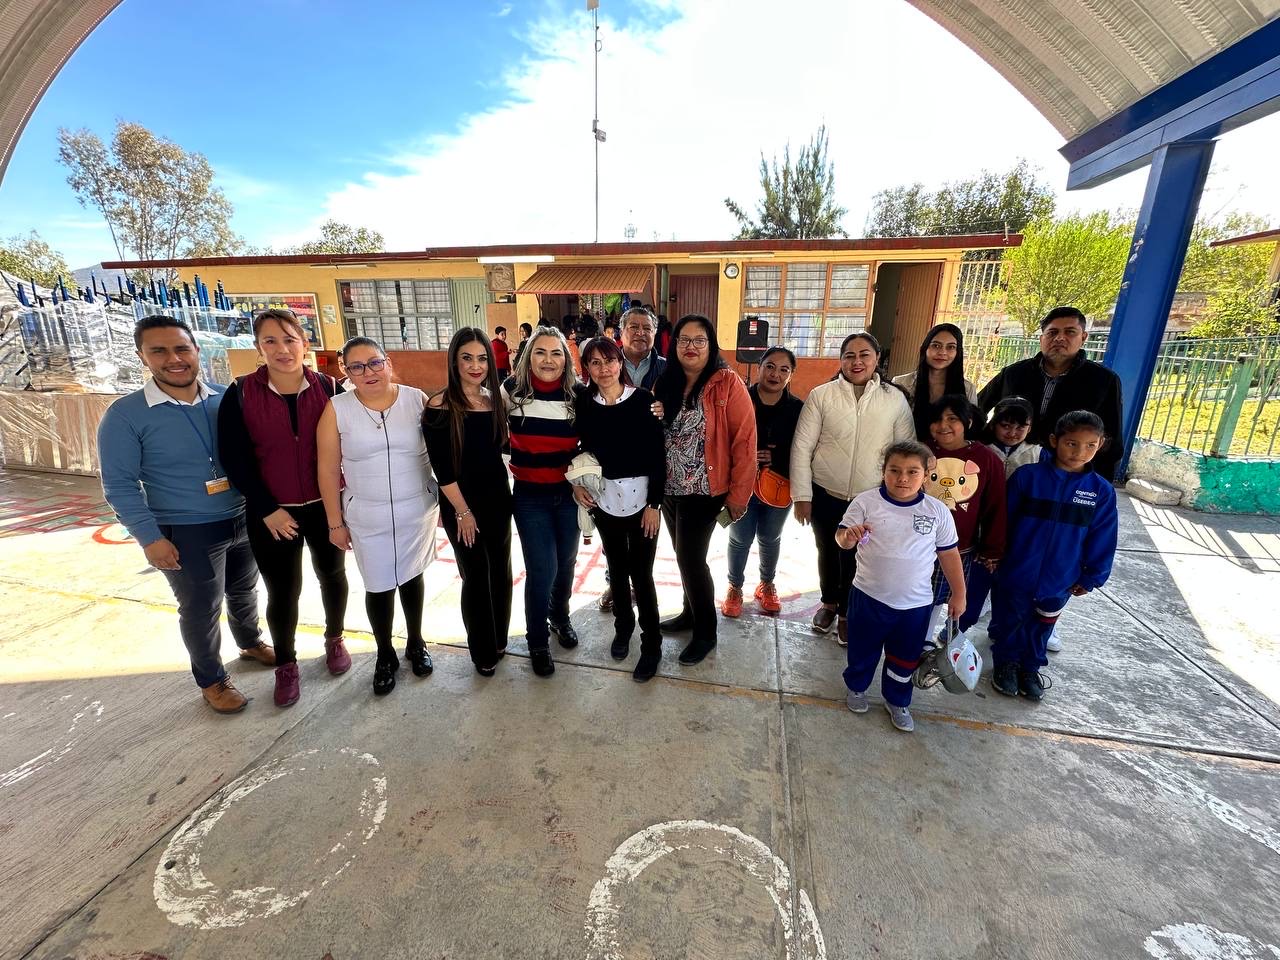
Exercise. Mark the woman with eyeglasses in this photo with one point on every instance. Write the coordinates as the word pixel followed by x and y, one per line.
pixel 371 438
pixel 539 399
pixel 267 442
pixel 777 413
pixel 843 430
pixel 941 367
pixel 466 430
pixel 711 466
pixel 616 426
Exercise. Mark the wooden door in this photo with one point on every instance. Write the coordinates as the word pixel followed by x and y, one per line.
pixel 917 306
pixel 694 294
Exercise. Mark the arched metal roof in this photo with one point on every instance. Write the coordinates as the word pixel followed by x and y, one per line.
pixel 1079 62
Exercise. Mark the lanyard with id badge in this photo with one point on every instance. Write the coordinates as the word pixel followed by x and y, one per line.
pixel 215 484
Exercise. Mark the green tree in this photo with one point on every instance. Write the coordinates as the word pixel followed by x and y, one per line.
pixel 30 258
pixel 338 237
pixel 158 200
pixel 1240 301
pixel 798 202
pixel 988 203
pixel 1078 261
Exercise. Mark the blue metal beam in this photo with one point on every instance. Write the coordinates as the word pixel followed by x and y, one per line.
pixel 1174 185
pixel 1234 87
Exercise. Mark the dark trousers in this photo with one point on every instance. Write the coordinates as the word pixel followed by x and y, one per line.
pixel 875 627
pixel 217 564
pixel 381 608
pixel 280 563
pixel 691 520
pixel 836 566
pixel 630 554
pixel 1021 624
pixel 548 524
pixel 980 583
pixel 485 569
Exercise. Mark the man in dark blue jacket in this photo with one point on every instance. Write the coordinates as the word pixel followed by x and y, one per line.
pixel 1061 543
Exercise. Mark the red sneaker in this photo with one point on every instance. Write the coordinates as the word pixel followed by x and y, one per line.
pixel 287 692
pixel 336 657
pixel 767 598
pixel 732 606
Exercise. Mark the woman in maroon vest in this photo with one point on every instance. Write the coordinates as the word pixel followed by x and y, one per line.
pixel 267 442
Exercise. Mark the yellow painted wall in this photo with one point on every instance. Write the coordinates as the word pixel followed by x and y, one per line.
pixel 322 281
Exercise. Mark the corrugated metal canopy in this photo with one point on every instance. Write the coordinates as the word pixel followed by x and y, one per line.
pixel 571 278
pixel 1079 62
pixel 1082 61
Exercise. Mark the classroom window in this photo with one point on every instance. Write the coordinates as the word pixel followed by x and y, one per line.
pixel 399 314
pixel 810 307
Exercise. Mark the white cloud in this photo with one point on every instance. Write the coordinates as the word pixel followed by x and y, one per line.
pixel 690 104
pixel 505 11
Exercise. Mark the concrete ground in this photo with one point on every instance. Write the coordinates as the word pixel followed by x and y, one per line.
pixel 734 809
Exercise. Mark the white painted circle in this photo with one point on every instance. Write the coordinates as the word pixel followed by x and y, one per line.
pixel 641 850
pixel 90 714
pixel 189 899
pixel 1196 941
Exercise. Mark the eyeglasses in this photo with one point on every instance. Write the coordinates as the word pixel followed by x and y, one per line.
pixel 695 342
pixel 373 366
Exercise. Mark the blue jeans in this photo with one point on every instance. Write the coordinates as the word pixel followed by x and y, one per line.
pixel 217 564
pixel 764 522
pixel 547 521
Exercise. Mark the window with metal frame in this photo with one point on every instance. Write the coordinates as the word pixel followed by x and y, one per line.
pixel 399 314
pixel 810 307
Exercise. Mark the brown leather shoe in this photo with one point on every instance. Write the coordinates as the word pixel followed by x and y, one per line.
pixel 264 653
pixel 224 697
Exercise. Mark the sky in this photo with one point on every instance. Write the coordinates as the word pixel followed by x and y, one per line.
pixel 442 123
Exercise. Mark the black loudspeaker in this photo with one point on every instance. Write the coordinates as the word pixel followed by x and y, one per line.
pixel 753 339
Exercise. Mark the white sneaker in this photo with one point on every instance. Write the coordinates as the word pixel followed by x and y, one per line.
pixel 900 717
pixel 857 701
pixel 1054 644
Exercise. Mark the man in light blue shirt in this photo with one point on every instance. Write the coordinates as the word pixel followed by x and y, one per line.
pixel 158 447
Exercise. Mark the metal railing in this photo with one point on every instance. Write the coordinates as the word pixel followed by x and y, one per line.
pixel 1218 397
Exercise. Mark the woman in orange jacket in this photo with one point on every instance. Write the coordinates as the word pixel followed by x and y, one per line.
pixel 711 466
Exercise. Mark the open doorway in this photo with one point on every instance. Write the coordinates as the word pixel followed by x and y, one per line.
pixel 906 299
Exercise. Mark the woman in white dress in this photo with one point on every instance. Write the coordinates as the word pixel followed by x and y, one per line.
pixel 371 438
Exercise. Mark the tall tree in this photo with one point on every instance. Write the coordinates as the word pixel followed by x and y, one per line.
pixel 1076 261
pixel 31 258
pixel 1241 301
pixel 799 201
pixel 988 203
pixel 158 199
pixel 338 237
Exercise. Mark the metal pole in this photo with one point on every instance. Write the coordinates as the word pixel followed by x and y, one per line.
pixel 595 117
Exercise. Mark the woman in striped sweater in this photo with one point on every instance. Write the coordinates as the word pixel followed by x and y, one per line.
pixel 539 398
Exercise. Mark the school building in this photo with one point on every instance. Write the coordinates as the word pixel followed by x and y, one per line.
pixel 812 293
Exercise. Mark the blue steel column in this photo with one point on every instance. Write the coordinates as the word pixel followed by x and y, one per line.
pixel 1160 240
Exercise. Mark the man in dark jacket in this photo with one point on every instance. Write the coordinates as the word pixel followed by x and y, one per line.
pixel 644 363
pixel 1060 379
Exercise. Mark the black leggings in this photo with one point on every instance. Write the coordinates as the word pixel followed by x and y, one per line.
pixel 485 568
pixel 381 608
pixel 691 520
pixel 836 566
pixel 630 554
pixel 280 563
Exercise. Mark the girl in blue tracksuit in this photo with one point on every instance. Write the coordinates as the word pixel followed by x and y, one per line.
pixel 1061 542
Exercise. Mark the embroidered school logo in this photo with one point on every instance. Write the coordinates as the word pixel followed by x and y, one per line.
pixel 922 525
pixel 1085 498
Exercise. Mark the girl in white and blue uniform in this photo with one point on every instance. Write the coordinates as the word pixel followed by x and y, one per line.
pixel 899 531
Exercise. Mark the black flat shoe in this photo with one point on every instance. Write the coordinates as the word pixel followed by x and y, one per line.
pixel 566 636
pixel 620 648
pixel 384 679
pixel 696 652
pixel 420 660
pixel 647 667
pixel 542 663
pixel 486 671
pixel 681 621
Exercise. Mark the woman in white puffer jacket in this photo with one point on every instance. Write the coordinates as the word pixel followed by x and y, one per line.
pixel 844 427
